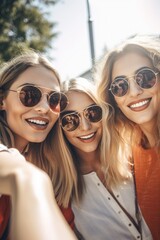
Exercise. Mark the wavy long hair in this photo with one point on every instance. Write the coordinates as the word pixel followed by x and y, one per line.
pixel 66 150
pixel 125 131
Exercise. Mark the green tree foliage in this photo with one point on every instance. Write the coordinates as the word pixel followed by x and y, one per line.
pixel 25 24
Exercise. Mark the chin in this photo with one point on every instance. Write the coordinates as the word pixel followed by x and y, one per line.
pixel 35 140
pixel 90 150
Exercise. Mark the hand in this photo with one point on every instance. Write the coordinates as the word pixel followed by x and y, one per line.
pixel 11 163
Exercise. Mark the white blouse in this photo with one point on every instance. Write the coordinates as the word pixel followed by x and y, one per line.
pixel 99 217
pixel 3 148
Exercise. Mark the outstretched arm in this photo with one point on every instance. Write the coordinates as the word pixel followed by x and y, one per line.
pixel 35 213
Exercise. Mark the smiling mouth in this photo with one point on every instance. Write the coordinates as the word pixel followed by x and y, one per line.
pixel 37 122
pixel 140 105
pixel 87 136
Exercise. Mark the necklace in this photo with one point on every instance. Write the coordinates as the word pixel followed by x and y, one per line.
pixel 137 223
pixel 138 214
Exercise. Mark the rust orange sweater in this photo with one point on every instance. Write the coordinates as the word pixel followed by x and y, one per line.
pixel 147 173
pixel 4 213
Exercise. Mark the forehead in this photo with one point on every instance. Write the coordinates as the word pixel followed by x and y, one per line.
pixel 78 100
pixel 128 63
pixel 38 75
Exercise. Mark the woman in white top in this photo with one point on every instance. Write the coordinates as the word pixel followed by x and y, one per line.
pixel 107 206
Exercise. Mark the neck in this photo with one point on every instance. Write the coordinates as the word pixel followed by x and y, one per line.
pixel 150 133
pixel 89 162
pixel 21 147
pixel 151 138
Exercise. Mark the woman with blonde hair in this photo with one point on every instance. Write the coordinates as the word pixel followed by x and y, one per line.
pixel 106 206
pixel 129 82
pixel 30 104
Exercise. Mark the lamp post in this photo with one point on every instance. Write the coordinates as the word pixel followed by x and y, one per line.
pixel 90 27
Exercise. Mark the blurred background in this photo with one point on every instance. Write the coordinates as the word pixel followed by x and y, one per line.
pixel 73 33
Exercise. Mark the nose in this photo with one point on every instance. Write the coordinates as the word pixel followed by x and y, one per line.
pixel 134 88
pixel 84 123
pixel 43 105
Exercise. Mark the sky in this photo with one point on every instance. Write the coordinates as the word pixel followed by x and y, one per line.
pixel 112 22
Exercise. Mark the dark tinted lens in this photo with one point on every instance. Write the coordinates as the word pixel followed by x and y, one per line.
pixel 70 122
pixel 93 113
pixel 64 101
pixel 58 101
pixel 30 96
pixel 119 87
pixel 54 102
pixel 146 78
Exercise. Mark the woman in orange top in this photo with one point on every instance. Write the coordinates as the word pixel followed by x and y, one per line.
pixel 130 84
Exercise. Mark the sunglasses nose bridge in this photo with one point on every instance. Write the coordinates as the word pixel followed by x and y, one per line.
pixel 43 104
pixel 133 87
pixel 85 124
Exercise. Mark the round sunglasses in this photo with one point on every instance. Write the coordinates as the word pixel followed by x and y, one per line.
pixel 145 78
pixel 71 121
pixel 30 96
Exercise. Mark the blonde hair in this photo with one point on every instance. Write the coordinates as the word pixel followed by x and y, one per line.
pixel 126 131
pixel 61 171
pixel 114 173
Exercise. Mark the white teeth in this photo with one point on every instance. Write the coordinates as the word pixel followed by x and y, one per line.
pixel 40 122
pixel 140 104
pixel 88 136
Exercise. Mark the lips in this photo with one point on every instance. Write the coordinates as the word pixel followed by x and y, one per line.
pixel 37 123
pixel 87 138
pixel 139 105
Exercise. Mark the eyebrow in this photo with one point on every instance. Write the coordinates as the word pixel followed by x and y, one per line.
pixel 139 69
pixel 38 86
pixel 74 111
pixel 62 114
pixel 26 84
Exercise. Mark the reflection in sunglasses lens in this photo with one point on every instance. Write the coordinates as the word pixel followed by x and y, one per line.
pixel 94 114
pixel 63 102
pixel 119 87
pixel 54 102
pixel 30 96
pixel 71 121
pixel 145 78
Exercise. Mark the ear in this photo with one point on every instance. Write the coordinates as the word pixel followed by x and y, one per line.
pixel 2 104
pixel 2 99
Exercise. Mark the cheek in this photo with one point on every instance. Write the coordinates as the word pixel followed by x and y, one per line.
pixel 13 118
pixel 157 89
pixel 69 136
pixel 12 111
pixel 11 103
pixel 54 120
pixel 119 102
pixel 100 129
pixel 99 132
